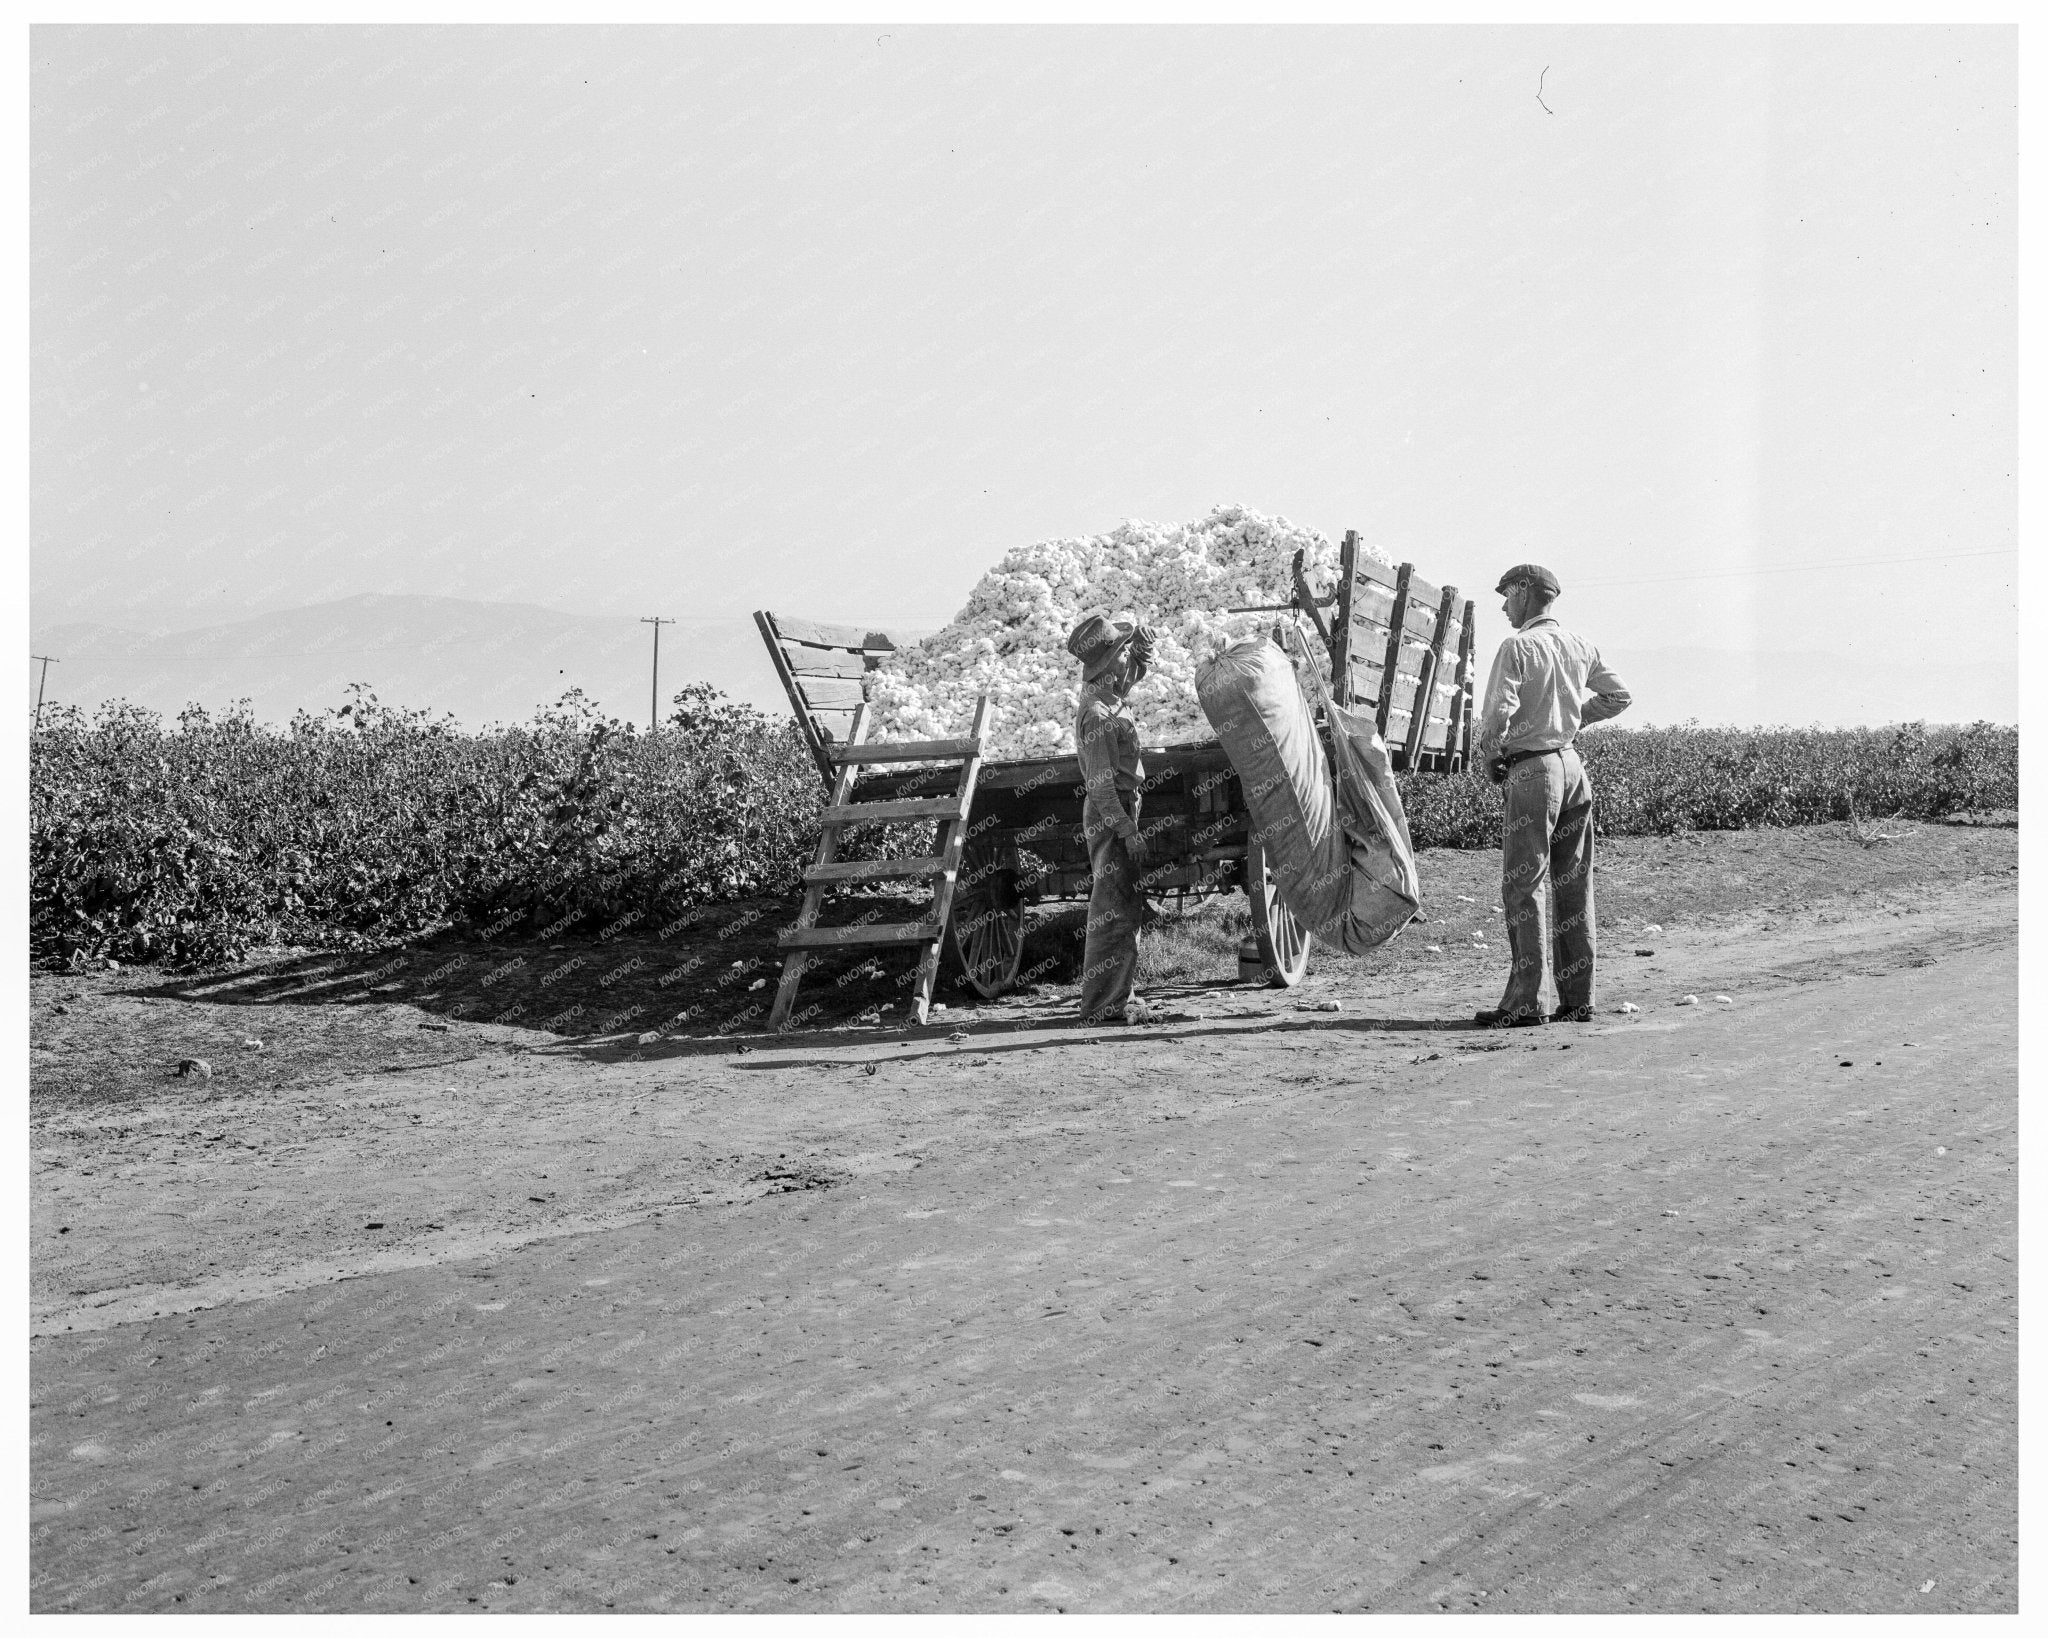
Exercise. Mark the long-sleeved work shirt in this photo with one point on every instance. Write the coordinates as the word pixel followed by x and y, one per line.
pixel 1107 741
pixel 1546 684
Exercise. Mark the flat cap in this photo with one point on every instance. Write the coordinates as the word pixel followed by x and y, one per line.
pixel 1530 574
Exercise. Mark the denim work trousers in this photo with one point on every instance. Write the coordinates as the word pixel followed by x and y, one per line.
pixel 1116 912
pixel 1547 851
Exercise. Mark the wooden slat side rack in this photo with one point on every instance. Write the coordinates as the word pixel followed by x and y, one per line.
pixel 1404 648
pixel 941 867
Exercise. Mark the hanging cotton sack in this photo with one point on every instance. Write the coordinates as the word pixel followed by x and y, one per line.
pixel 1386 888
pixel 1337 850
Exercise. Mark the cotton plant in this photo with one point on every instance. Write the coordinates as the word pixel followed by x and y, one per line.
pixel 1010 639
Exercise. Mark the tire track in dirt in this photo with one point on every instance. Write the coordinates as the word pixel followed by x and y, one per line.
pixel 1404 1333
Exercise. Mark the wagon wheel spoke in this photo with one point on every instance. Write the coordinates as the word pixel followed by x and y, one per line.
pixel 986 928
pixel 1283 941
pixel 999 943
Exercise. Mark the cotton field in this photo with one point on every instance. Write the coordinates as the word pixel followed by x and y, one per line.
pixel 1010 639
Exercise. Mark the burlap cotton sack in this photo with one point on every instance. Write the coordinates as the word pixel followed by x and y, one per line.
pixel 1386 888
pixel 1338 850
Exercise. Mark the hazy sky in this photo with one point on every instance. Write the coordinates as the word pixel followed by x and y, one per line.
pixel 690 321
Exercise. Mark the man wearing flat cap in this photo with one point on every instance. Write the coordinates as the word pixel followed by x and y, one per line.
pixel 1545 686
pixel 1115 655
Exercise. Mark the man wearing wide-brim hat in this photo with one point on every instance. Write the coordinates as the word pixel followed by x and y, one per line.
pixel 1546 684
pixel 1115 654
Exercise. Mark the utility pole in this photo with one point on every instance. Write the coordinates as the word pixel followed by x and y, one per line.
pixel 654 689
pixel 48 661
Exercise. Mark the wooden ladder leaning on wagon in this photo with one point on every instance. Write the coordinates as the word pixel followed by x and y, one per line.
pixel 822 669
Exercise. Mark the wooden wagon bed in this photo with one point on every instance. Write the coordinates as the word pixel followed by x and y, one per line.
pixel 1397 644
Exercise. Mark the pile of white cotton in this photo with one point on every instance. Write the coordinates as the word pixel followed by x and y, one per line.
pixel 1010 640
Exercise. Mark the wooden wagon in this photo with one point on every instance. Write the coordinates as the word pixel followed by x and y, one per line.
pixel 1009 831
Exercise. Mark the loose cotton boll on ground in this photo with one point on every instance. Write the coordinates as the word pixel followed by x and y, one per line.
pixel 1010 639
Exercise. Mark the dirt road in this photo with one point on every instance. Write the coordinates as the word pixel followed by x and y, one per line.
pixel 1706 1307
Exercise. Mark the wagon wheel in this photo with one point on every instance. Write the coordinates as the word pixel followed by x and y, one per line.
pixel 986 929
pixel 1283 941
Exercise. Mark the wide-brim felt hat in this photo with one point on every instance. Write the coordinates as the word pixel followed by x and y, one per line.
pixel 1530 574
pixel 1097 641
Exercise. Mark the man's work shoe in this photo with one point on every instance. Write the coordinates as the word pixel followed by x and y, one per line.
pixel 1572 1015
pixel 1494 1018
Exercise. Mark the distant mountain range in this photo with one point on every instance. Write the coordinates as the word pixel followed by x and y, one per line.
pixel 499 662
pixel 482 662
